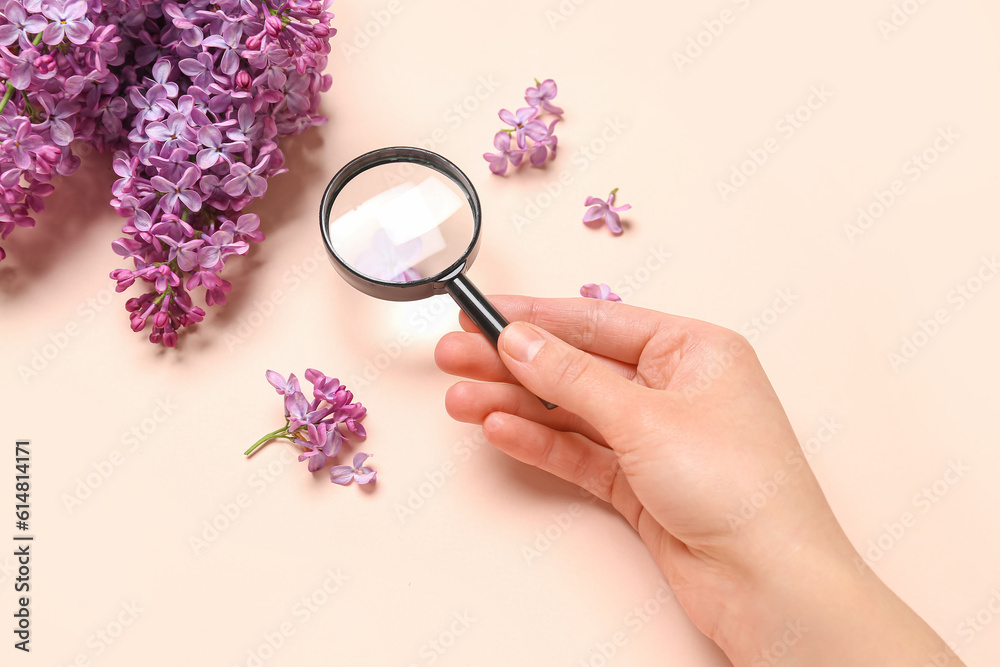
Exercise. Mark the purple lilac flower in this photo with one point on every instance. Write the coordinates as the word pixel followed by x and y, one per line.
pixel 358 471
pixel 217 247
pixel 60 117
pixel 20 25
pixel 297 409
pixel 498 161
pixel 215 149
pixel 185 253
pixel 545 141
pixel 316 425
pixel 174 132
pixel 604 213
pixel 20 145
pixel 602 291
pixel 229 42
pixel 542 95
pixel 243 178
pixel 533 137
pixel 324 443
pixel 179 193
pixel 68 20
pixel 519 121
pixel 325 388
pixel 281 385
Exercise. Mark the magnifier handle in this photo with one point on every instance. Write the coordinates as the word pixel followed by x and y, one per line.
pixel 480 311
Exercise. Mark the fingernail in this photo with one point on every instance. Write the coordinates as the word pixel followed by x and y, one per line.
pixel 522 342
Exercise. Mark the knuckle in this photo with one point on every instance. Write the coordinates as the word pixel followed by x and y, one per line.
pixel 732 342
pixel 593 316
pixel 546 450
pixel 579 467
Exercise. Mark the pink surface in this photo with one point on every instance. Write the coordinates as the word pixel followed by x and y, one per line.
pixel 460 556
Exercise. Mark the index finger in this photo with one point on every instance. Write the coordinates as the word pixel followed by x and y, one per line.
pixel 614 330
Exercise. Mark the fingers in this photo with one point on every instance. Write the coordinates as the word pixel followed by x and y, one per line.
pixel 473 402
pixel 613 330
pixel 568 377
pixel 472 356
pixel 569 456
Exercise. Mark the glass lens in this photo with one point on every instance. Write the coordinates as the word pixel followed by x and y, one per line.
pixel 400 222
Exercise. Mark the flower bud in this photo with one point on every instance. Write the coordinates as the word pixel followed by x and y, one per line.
pixel 321 30
pixel 124 277
pixel 160 319
pixel 253 42
pixel 243 80
pixel 273 26
pixel 48 153
pixel 44 64
pixel 138 323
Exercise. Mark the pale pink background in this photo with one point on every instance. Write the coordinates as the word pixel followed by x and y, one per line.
pixel 461 552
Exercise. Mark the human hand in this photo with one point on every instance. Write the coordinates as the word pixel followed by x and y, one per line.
pixel 674 423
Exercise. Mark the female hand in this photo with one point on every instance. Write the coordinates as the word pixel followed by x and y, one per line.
pixel 674 423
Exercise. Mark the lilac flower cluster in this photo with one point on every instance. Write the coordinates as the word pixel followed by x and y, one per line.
pixel 532 137
pixel 57 62
pixel 315 425
pixel 191 94
pixel 213 84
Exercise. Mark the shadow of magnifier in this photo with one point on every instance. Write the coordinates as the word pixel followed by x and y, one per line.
pixel 403 224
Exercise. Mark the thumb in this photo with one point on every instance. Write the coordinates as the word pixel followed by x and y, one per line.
pixel 558 372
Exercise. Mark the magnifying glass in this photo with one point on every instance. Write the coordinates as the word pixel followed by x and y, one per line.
pixel 403 224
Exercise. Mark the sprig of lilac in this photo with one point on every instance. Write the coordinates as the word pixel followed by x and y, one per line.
pixel 531 136
pixel 319 425
pixel 56 72
pixel 192 95
pixel 213 85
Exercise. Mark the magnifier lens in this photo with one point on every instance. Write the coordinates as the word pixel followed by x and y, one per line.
pixel 401 230
pixel 401 222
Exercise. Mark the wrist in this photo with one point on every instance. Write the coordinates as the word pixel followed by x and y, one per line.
pixel 819 604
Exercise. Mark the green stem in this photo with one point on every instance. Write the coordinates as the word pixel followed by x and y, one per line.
pixel 6 96
pixel 270 436
pixel 9 93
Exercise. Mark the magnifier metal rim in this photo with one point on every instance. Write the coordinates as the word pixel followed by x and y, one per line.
pixel 396 291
